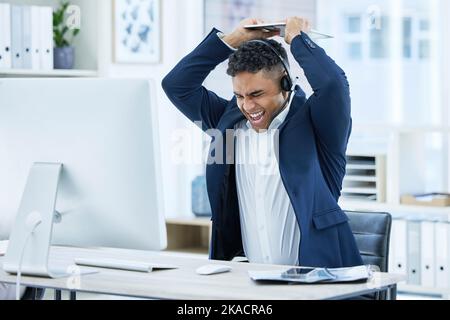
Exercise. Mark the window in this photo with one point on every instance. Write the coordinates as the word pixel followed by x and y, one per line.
pixel 355 50
pixel 407 38
pixel 354 24
pixel 424 49
pixel 353 37
pixel 389 52
pixel 424 25
pixel 379 40
pixel 398 75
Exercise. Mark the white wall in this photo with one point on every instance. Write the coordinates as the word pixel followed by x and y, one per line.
pixel 182 30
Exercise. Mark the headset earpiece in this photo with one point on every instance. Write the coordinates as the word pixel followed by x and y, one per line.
pixel 286 82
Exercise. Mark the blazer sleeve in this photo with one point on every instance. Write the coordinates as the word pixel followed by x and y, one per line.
pixel 183 85
pixel 330 102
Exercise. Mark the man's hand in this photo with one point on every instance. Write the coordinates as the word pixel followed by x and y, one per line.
pixel 294 26
pixel 241 35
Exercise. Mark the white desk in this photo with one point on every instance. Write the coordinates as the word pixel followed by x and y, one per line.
pixel 184 283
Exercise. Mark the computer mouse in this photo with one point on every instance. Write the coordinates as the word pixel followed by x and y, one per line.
pixel 213 269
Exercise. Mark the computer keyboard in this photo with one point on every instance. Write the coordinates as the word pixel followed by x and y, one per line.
pixel 128 265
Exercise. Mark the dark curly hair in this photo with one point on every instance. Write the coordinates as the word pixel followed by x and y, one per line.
pixel 254 56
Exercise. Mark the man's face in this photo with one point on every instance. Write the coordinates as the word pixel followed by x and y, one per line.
pixel 259 97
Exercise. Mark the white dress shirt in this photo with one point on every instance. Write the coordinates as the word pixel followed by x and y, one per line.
pixel 270 232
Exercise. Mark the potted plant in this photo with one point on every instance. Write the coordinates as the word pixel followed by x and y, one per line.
pixel 63 36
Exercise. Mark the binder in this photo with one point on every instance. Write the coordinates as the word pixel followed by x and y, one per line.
pixel 31 35
pixel 391 256
pixel 16 37
pixel 35 37
pixel 26 37
pixel 413 244
pixel 442 255
pixel 5 36
pixel 46 38
pixel 392 241
pixel 427 265
pixel 399 246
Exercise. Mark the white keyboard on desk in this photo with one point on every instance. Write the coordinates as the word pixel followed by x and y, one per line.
pixel 127 265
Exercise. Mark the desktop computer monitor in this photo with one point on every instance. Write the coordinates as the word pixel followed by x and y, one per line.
pixel 105 135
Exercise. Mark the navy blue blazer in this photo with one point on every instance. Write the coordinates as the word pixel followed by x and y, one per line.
pixel 312 144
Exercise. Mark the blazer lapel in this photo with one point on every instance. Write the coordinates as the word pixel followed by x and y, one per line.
pixel 297 102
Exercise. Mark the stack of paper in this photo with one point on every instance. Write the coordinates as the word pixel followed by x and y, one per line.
pixel 315 275
pixel 3 247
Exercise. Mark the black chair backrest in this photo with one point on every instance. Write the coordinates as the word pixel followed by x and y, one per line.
pixel 372 232
pixel 33 294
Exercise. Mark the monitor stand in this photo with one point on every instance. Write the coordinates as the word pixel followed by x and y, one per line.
pixel 27 249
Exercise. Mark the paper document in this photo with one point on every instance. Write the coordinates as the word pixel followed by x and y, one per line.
pixel 315 275
pixel 3 247
pixel 281 26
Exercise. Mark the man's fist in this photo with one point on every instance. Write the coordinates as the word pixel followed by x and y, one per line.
pixel 294 26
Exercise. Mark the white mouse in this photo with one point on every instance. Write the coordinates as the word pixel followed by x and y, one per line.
pixel 213 269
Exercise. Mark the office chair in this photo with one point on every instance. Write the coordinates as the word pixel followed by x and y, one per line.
pixel 33 294
pixel 372 232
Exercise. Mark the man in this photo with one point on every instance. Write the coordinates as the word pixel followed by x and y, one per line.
pixel 290 215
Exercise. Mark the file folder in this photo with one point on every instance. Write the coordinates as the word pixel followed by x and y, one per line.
pixel 5 36
pixel 399 246
pixel 46 38
pixel 26 37
pixel 413 257
pixel 442 255
pixel 35 37
pixel 16 37
pixel 31 37
pixel 427 266
pixel 391 257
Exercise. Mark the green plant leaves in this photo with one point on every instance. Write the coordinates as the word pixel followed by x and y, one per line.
pixel 61 35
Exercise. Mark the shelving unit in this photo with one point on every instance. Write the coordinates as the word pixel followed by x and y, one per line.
pixel 365 177
pixel 417 161
pixel 19 73
pixel 189 235
pixel 398 210
pixel 86 43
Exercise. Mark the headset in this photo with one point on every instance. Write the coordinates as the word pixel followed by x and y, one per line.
pixel 286 82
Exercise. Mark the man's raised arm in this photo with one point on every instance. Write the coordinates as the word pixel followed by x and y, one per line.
pixel 330 102
pixel 184 84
